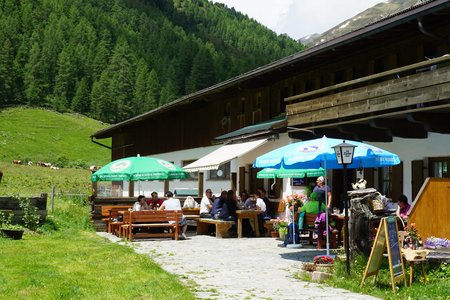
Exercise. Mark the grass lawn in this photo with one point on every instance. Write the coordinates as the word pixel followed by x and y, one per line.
pixel 76 264
pixel 66 259
pixel 437 287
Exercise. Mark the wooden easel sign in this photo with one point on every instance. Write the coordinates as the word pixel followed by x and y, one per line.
pixel 387 236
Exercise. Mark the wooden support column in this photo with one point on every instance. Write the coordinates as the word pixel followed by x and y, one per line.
pixel 94 188
pixel 130 189
pixel 166 186
pixel 200 184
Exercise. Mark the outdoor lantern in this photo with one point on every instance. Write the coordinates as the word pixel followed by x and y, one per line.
pixel 344 156
pixel 344 153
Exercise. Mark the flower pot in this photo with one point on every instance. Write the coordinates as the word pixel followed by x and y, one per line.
pixel 274 234
pixel 324 268
pixel 14 234
pixel 282 233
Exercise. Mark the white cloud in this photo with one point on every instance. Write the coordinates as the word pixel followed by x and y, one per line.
pixel 299 18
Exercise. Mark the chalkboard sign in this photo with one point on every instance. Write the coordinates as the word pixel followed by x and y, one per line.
pixel 387 237
pixel 394 248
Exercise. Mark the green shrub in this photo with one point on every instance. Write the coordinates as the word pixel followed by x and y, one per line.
pixel 31 218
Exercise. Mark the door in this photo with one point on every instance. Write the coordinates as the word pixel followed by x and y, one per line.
pixel 416 177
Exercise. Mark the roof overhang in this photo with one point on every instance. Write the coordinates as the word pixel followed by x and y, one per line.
pixel 224 154
pixel 343 43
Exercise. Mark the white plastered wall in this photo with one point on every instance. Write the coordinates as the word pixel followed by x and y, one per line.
pixel 436 145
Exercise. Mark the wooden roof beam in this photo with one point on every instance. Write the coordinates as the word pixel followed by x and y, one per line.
pixel 366 133
pixel 400 128
pixel 433 122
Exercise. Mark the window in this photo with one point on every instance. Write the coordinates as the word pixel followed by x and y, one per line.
pixel 192 175
pixel 438 167
pixel 385 180
pixel 222 173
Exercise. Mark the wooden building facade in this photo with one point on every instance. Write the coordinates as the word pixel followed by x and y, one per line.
pixel 387 83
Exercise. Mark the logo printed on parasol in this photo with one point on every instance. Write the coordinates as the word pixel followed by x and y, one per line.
pixel 166 164
pixel 120 166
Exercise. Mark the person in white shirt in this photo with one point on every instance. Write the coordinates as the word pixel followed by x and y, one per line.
pixel 261 205
pixel 140 204
pixel 206 204
pixel 174 204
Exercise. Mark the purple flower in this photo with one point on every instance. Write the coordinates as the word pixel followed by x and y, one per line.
pixel 436 243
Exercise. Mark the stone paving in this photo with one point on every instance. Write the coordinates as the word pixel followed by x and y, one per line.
pixel 247 268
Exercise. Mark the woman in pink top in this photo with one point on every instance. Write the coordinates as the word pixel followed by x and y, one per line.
pixel 403 208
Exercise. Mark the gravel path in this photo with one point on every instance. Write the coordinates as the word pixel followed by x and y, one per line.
pixel 247 268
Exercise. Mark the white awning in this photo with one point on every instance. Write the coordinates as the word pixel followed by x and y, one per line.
pixel 222 155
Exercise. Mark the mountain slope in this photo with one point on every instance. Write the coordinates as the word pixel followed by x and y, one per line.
pixel 62 139
pixel 370 15
pixel 114 59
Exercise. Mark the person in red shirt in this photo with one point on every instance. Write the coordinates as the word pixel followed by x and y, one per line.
pixel 154 202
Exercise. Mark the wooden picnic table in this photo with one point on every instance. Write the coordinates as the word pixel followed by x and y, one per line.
pixel 251 214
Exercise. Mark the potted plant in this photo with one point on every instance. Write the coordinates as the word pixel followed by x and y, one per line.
pixel 281 227
pixel 323 263
pixel 10 230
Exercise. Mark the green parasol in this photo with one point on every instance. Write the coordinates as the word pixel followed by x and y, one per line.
pixel 139 168
pixel 289 173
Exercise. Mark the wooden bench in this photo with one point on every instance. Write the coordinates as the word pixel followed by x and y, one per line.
pixel 309 226
pixel 192 215
pixel 110 212
pixel 136 222
pixel 222 227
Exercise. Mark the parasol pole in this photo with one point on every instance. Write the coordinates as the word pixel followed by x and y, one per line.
pixel 326 205
pixel 293 245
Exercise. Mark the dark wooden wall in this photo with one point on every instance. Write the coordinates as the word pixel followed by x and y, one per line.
pixel 11 205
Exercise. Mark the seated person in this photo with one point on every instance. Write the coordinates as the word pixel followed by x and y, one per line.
pixel 206 204
pixel 261 205
pixel 228 212
pixel 140 204
pixel 242 199
pixel 403 208
pixel 190 203
pixel 154 202
pixel 311 207
pixel 217 205
pixel 248 203
pixel 174 204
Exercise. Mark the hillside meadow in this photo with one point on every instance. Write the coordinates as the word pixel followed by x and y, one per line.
pixel 64 258
pixel 31 134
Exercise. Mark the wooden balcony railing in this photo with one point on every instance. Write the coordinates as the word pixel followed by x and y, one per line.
pixel 430 84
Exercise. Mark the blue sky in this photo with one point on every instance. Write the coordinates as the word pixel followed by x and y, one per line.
pixel 299 18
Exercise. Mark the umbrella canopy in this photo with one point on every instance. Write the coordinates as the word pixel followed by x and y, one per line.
pixel 317 153
pixel 139 168
pixel 272 173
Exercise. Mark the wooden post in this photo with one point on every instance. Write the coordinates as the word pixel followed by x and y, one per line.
pixel 166 186
pixel 200 184
pixel 130 189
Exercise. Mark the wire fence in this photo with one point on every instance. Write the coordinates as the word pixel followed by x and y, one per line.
pixel 76 197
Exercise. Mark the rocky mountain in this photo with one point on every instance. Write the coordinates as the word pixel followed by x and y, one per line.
pixel 370 15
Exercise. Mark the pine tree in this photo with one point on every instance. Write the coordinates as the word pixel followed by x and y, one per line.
pixel 65 80
pixel 140 87
pixel 80 102
pixel 6 72
pixel 153 89
pixel 169 92
pixel 34 85
pixel 122 80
